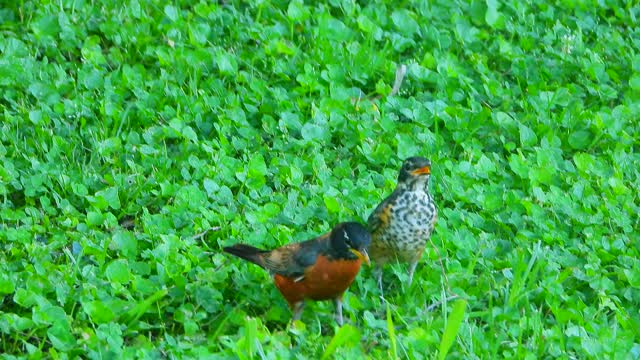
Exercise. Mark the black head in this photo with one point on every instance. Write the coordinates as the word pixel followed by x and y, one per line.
pixel 415 169
pixel 349 240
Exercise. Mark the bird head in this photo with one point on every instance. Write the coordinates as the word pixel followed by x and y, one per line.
pixel 415 172
pixel 350 240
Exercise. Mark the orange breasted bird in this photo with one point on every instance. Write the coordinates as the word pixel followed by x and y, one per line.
pixel 402 224
pixel 318 269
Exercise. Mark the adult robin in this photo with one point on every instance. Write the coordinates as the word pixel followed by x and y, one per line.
pixel 318 269
pixel 401 225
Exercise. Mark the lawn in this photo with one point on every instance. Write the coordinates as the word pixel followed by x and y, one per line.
pixel 139 137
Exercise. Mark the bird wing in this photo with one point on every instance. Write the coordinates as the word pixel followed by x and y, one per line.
pixel 293 260
pixel 380 216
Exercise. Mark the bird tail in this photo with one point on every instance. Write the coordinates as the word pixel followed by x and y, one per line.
pixel 246 252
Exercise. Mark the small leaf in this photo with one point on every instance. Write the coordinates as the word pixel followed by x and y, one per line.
pixel 35 116
pixel 135 9
pixel 210 186
pixel 189 133
pixel 527 136
pixel 492 15
pixel 48 314
pixel 634 81
pixel 111 333
pixel 403 20
pixel 257 166
pixel 257 171
pixel 126 242
pixel 295 177
pixel 95 218
pixel 226 63
pixel 25 298
pixel 98 311
pixel 61 337
pixel 485 166
pixel 297 11
pixel 110 197
pixel 118 271
pixel 79 189
pixel 633 275
pixel 46 26
pixel 584 162
pixel 334 29
pixel 312 132
pixel 199 33
pixel 7 286
pixel 208 297
pixel 331 203
pixel 562 97
pixel 580 139
pixel 365 24
pixel 171 12
pixel 406 146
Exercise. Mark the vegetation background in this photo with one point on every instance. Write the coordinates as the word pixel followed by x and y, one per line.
pixel 138 137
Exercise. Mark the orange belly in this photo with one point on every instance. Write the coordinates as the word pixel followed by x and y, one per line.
pixel 326 279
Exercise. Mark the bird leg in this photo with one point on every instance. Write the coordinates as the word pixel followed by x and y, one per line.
pixel 297 310
pixel 338 302
pixel 378 275
pixel 412 269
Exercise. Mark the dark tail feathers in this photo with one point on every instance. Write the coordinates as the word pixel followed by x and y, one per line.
pixel 246 252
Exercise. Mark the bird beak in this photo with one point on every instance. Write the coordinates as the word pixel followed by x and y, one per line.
pixel 426 170
pixel 362 255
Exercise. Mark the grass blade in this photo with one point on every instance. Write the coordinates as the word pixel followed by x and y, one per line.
pixel 346 334
pixel 453 325
pixel 392 334
pixel 135 312
pixel 520 277
pixel 251 336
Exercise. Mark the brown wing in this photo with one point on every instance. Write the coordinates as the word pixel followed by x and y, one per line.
pixel 380 217
pixel 293 259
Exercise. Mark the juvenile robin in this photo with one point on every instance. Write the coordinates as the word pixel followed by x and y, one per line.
pixel 318 269
pixel 401 225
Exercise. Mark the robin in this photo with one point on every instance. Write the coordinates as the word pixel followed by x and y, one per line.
pixel 318 269
pixel 401 225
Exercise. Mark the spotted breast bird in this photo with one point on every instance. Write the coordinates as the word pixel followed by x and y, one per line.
pixel 401 225
pixel 318 269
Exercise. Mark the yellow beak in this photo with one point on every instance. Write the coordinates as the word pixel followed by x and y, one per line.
pixel 362 255
pixel 423 170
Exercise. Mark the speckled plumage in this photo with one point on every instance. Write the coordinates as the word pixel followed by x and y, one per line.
pixel 402 224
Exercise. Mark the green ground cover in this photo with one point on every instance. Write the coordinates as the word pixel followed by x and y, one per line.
pixel 138 137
